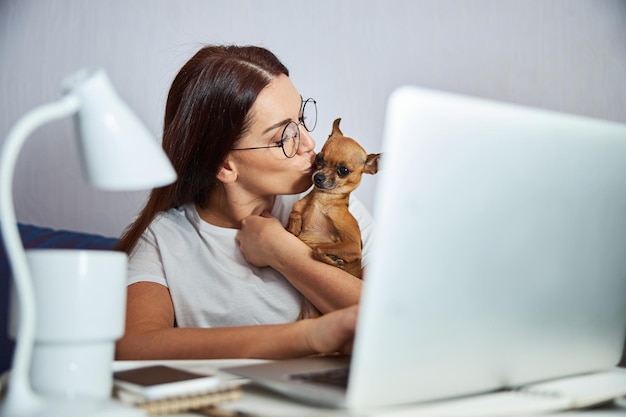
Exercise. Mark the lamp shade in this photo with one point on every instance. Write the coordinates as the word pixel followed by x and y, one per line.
pixel 117 150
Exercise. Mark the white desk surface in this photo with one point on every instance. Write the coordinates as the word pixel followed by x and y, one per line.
pixel 258 402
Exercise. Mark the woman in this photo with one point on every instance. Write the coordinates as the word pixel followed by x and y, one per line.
pixel 212 271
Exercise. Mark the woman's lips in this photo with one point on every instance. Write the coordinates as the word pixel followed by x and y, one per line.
pixel 311 167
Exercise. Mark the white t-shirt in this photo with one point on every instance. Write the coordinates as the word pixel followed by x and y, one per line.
pixel 210 282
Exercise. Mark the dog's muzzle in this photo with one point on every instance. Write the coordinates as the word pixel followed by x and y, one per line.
pixel 321 181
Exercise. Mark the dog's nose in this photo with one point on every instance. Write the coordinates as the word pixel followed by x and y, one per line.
pixel 319 179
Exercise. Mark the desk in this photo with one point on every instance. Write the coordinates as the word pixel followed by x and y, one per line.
pixel 258 402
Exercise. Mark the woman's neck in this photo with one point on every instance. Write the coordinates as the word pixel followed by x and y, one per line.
pixel 224 210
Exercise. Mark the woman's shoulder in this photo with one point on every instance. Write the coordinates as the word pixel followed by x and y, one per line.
pixel 176 215
pixel 184 222
pixel 175 221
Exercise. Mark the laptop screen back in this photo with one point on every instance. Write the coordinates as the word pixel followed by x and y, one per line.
pixel 500 254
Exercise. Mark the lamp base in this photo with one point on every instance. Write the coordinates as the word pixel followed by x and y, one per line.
pixel 73 408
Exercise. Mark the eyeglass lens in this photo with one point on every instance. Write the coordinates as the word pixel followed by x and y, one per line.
pixel 309 114
pixel 290 139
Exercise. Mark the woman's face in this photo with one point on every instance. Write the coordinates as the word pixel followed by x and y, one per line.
pixel 268 171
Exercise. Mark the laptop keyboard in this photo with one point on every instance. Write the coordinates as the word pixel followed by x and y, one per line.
pixel 334 377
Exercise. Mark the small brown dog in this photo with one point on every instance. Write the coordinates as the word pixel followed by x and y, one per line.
pixel 321 219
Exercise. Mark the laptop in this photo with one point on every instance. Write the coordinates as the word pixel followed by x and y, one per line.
pixel 499 258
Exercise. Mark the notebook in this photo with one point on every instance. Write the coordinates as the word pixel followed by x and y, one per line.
pixel 499 257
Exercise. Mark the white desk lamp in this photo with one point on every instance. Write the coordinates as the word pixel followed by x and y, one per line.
pixel 118 153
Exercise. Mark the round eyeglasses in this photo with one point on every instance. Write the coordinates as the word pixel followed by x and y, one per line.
pixel 309 114
pixel 290 138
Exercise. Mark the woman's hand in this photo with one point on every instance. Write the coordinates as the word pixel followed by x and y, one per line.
pixel 265 242
pixel 261 238
pixel 334 332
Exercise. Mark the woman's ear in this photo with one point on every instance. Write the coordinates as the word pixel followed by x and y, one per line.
pixel 227 172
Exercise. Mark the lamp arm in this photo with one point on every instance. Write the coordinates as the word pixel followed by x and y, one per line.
pixel 19 392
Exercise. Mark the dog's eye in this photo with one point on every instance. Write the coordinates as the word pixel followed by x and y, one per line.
pixel 319 159
pixel 343 171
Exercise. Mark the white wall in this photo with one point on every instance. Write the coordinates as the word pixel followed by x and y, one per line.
pixel 566 55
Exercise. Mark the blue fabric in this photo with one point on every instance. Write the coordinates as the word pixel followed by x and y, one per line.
pixel 38 237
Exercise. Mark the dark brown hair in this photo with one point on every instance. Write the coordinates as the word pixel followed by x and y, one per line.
pixel 205 115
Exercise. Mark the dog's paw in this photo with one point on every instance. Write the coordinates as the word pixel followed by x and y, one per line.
pixel 340 263
pixel 294 225
pixel 329 258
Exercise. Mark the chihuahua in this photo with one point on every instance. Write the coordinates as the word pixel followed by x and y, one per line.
pixel 321 219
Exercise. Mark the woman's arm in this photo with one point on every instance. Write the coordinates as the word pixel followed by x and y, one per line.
pixel 265 242
pixel 150 333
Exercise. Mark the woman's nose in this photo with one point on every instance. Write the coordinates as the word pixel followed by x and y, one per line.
pixel 307 143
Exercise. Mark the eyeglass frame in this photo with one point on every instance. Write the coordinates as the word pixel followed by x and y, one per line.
pixel 298 123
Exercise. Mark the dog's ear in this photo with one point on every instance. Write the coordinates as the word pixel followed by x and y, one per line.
pixel 371 163
pixel 336 131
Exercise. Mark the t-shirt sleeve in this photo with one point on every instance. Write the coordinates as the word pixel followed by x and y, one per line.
pixel 144 263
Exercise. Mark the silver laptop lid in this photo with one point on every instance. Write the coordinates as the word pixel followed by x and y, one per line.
pixel 500 255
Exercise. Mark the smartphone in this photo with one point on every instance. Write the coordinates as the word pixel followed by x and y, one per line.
pixel 160 381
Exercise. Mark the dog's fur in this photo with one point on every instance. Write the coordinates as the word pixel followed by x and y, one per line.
pixel 321 219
